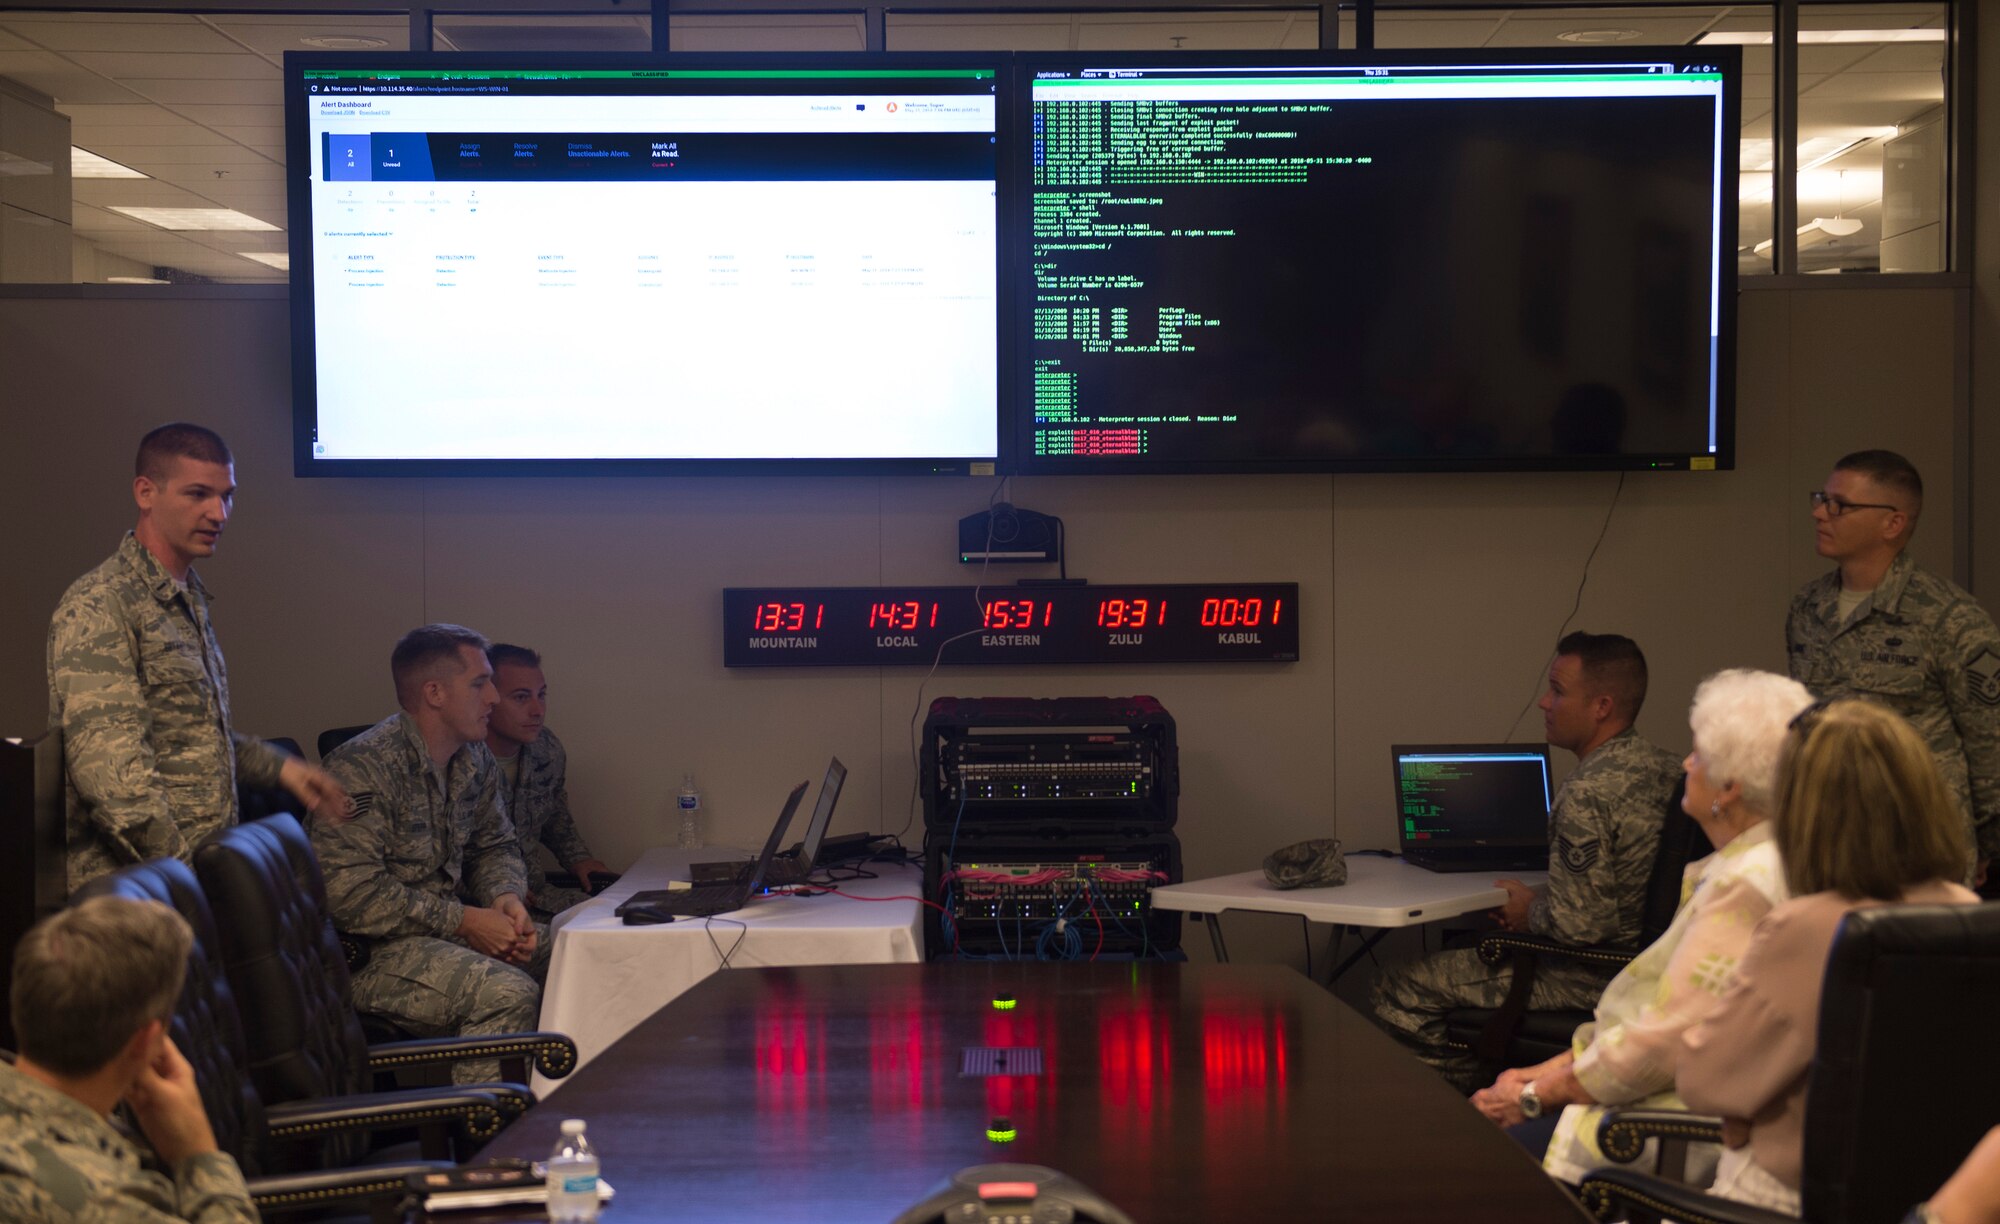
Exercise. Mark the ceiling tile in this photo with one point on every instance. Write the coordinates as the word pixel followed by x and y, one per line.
pixel 135 193
pixel 9 42
pixel 980 32
pixel 1903 57
pixel 275 35
pixel 96 136
pixel 143 157
pixel 1409 32
pixel 215 93
pixel 234 116
pixel 120 65
pixel 163 35
pixel 128 114
pixel 1896 91
pixel 819 32
pixel 1189 31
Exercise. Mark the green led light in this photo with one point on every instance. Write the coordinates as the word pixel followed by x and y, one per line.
pixel 1003 1004
pixel 1002 1136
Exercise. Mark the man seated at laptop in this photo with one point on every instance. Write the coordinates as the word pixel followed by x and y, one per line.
pixel 535 769
pixel 428 872
pixel 1604 829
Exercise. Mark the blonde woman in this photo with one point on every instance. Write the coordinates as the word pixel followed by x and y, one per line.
pixel 1627 1055
pixel 1863 818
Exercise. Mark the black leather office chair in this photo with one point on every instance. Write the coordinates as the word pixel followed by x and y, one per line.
pixel 1902 1084
pixel 290 971
pixel 268 1143
pixel 334 737
pixel 1511 1035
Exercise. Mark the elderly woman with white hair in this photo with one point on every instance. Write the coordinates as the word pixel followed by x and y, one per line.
pixel 1627 1056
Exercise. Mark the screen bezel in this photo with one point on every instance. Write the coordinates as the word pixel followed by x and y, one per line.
pixel 300 165
pixel 1018 445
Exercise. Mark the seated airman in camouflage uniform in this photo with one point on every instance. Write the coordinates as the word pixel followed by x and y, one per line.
pixel 1884 629
pixel 93 989
pixel 427 873
pixel 1604 830
pixel 136 681
pixel 536 770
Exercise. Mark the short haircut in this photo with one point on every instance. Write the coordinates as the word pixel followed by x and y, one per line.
pixel 426 653
pixel 1739 718
pixel 1613 665
pixel 178 439
pixel 1890 470
pixel 87 978
pixel 507 652
pixel 1862 810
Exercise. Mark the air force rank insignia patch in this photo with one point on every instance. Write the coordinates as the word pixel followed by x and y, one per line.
pixel 1982 676
pixel 1579 857
pixel 360 804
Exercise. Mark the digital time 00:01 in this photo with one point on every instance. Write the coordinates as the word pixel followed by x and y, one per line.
pixel 834 626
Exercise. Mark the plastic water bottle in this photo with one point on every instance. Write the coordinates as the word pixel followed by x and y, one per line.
pixel 572 1177
pixel 688 800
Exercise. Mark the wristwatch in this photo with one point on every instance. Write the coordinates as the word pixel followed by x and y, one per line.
pixel 1531 1104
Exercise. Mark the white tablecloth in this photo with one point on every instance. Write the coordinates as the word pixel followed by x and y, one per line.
pixel 605 977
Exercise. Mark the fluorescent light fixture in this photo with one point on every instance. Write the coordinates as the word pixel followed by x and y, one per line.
pixel 134 280
pixel 1762 38
pixel 196 218
pixel 85 164
pixel 281 260
pixel 1759 155
pixel 1815 232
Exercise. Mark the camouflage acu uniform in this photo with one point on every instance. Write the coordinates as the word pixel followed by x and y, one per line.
pixel 1928 651
pixel 60 1161
pixel 137 686
pixel 1604 831
pixel 539 807
pixel 400 874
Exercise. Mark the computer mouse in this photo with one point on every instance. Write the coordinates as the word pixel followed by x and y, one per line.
pixel 643 915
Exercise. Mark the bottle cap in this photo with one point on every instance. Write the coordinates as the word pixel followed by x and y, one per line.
pixel 572 1126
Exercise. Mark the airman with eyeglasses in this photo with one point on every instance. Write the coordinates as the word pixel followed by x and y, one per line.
pixel 1881 627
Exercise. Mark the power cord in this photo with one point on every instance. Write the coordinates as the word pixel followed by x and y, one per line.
pixel 1535 693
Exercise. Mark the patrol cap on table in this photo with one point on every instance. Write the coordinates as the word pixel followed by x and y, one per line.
pixel 1315 863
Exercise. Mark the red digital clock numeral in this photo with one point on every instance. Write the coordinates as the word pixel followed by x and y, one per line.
pixel 904 615
pixel 788 617
pixel 1239 613
pixel 1017 613
pixel 1131 613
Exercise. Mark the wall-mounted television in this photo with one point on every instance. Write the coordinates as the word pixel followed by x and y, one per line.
pixel 565 263
pixel 1381 261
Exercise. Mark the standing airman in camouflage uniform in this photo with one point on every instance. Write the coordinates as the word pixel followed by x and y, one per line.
pixel 137 684
pixel 428 872
pixel 1882 628
pixel 536 770
pixel 93 988
pixel 1604 830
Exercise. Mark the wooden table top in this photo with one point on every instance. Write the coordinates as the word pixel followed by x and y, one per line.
pixel 1179 1092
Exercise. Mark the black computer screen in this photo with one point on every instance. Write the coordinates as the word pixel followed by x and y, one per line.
pixel 1470 261
pixel 1472 795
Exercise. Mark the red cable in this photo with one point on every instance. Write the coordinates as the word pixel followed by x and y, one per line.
pixel 1091 895
pixel 817 889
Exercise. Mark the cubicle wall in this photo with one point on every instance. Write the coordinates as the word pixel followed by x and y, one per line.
pixel 1429 602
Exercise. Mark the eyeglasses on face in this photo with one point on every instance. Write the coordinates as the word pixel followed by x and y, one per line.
pixel 1837 506
pixel 1805 720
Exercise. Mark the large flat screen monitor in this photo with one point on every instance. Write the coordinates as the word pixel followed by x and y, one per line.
pixel 545 263
pixel 1376 261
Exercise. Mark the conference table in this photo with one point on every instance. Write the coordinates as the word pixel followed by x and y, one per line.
pixel 1380 895
pixel 1180 1092
pixel 605 977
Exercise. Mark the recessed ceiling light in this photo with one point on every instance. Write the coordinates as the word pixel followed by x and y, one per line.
pixel 1762 38
pixel 195 218
pixel 279 260
pixel 1607 35
pixel 85 164
pixel 344 42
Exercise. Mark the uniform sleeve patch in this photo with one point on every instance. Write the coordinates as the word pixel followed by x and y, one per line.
pixel 1579 857
pixel 1982 676
pixel 360 803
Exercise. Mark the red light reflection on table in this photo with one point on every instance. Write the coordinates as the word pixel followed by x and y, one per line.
pixel 1245 1058
pixel 1030 1100
pixel 1135 1073
pixel 790 1047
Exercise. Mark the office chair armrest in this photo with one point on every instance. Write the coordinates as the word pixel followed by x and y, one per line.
pixel 385 1184
pixel 1498 946
pixel 554 1054
pixel 1622 1133
pixel 477 1114
pixel 1609 1193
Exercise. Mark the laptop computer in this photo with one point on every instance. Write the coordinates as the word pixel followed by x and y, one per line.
pixel 666 904
pixel 1473 807
pixel 794 865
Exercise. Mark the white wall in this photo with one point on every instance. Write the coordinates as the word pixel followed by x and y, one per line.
pixel 1429 602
